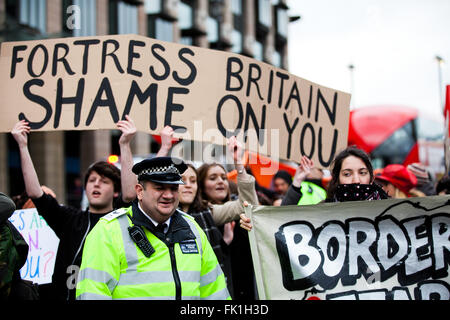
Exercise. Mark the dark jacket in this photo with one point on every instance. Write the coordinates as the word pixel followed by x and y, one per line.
pixel 71 225
pixel 292 196
pixel 206 222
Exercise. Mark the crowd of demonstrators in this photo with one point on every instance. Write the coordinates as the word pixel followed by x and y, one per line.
pixel 352 179
pixel 106 188
pixel 153 197
pixel 207 196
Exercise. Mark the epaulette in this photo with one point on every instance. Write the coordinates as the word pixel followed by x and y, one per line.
pixel 115 214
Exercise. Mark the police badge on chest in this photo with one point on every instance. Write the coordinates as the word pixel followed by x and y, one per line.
pixel 188 246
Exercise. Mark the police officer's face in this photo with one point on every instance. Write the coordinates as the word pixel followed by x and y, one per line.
pixel 100 193
pixel 158 200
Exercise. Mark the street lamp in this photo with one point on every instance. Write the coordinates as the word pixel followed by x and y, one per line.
pixel 351 67
pixel 440 62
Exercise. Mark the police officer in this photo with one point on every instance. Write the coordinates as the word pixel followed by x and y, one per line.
pixel 151 250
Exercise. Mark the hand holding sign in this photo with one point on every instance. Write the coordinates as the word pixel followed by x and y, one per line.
pixel 128 129
pixel 20 132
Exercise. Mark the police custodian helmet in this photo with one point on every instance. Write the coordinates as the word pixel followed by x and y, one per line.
pixel 167 170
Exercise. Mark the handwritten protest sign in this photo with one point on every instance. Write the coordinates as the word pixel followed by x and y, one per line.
pixel 396 249
pixel 42 242
pixel 91 83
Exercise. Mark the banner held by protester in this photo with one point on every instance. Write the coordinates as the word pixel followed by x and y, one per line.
pixel 90 83
pixel 42 242
pixel 396 249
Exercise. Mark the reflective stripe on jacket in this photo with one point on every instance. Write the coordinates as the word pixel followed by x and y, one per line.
pixel 182 266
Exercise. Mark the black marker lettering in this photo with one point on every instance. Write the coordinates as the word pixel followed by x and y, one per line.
pixel 86 44
pixel 15 59
pixel 192 75
pixel 39 100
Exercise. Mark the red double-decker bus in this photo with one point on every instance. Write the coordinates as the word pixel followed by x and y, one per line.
pixel 398 134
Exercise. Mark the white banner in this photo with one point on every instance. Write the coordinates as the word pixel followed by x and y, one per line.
pixel 43 245
pixel 396 249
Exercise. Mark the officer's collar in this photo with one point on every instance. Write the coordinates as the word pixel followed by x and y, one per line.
pixel 179 229
pixel 155 223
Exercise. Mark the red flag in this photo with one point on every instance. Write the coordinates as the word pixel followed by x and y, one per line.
pixel 447 129
pixel 447 100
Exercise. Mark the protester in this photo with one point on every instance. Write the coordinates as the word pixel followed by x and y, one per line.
pixel 281 182
pixel 352 179
pixel 214 187
pixel 151 250
pixel 103 183
pixel 352 171
pixel 397 181
pixel 443 186
pixel 192 204
pixel 13 255
pixel 425 181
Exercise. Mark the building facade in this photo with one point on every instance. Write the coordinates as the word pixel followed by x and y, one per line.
pixel 254 28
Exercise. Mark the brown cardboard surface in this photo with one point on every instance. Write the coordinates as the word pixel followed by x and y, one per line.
pixel 90 83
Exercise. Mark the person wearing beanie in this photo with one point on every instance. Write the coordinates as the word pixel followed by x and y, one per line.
pixel 425 182
pixel 396 181
pixel 281 182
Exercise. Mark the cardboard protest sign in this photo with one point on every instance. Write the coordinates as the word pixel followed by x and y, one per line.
pixel 42 242
pixel 396 249
pixel 91 83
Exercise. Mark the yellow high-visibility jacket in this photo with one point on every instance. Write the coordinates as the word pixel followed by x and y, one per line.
pixel 182 266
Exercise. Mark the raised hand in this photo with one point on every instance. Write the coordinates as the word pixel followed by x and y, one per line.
pixel 128 129
pixel 236 150
pixel 303 169
pixel 20 132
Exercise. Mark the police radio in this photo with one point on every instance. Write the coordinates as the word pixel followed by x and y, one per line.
pixel 139 237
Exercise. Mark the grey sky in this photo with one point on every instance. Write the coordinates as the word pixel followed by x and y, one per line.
pixel 391 43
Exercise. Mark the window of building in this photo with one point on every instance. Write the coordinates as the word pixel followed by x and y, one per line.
pixel 160 28
pixel 164 29
pixel 185 15
pixel 276 59
pixel 258 50
pixel 190 31
pixel 264 13
pixel 236 7
pixel 238 26
pixel 213 30
pixel 123 17
pixel 79 17
pixel 236 38
pixel 33 13
pixel 152 6
pixel 282 21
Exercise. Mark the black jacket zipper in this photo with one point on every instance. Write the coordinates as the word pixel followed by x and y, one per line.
pixel 175 274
